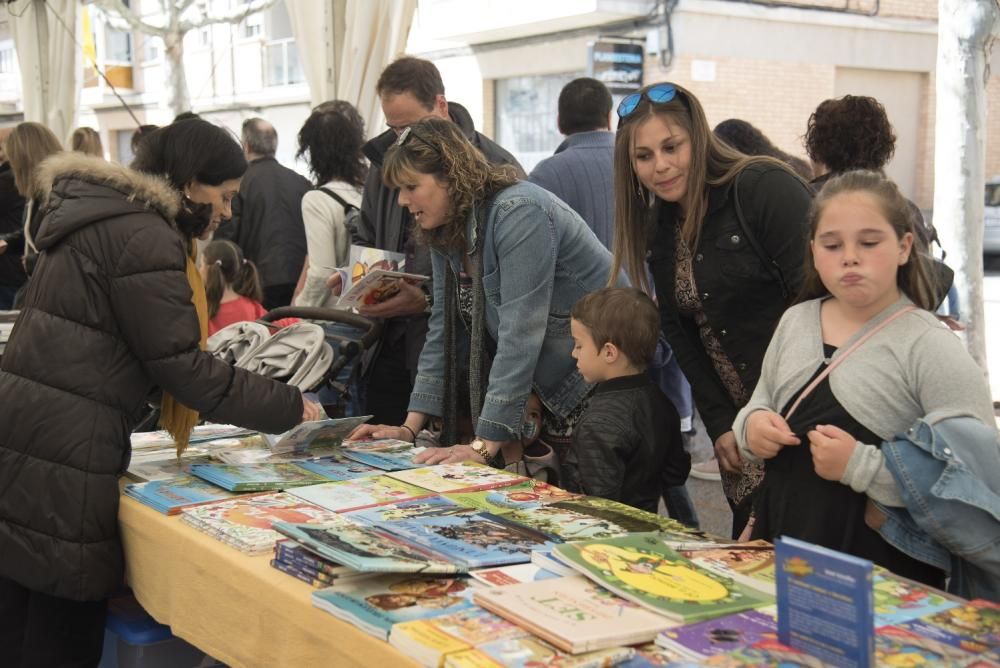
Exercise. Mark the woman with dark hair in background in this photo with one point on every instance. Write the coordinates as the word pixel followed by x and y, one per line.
pixel 723 235
pixel 114 312
pixel 331 140
pixel 747 139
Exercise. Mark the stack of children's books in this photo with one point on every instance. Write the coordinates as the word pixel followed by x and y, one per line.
pixel 174 494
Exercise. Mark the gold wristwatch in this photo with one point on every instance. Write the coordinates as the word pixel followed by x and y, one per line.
pixel 479 447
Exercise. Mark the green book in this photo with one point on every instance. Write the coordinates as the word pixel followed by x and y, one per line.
pixel 641 568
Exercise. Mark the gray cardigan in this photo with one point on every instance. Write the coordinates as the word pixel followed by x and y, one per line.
pixel 913 367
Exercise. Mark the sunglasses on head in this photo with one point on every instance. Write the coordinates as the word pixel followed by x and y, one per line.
pixel 657 94
pixel 408 132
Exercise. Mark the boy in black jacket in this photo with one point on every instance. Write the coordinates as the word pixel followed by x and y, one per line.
pixel 627 446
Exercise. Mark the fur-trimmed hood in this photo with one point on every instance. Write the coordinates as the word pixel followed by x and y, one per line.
pixel 75 190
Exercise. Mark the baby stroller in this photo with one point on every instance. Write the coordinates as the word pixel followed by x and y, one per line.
pixel 320 354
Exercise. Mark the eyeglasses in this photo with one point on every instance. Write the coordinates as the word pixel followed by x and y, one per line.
pixel 657 94
pixel 408 132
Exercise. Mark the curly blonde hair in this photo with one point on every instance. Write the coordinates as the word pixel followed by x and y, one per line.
pixel 438 147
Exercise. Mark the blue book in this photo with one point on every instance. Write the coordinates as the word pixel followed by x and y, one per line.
pixel 477 540
pixel 256 477
pixel 375 604
pixel 826 603
pixel 173 495
pixel 391 514
pixel 400 460
pixel 335 468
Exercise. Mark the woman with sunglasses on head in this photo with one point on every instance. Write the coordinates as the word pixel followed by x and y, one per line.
pixel 509 261
pixel 723 236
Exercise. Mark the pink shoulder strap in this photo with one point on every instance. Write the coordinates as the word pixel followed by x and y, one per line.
pixel 844 355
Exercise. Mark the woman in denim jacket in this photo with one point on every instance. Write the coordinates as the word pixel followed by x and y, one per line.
pixel 509 261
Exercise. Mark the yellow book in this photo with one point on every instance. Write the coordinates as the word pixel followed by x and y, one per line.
pixel 424 642
pixel 470 658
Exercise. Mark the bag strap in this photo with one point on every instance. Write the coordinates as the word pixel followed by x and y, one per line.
pixel 844 355
pixel 770 265
pixel 343 202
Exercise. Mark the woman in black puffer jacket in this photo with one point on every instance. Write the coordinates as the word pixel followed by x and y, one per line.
pixel 113 312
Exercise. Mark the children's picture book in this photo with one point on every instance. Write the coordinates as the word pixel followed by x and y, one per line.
pixel 632 519
pixel 899 600
pixel 972 625
pixel 572 613
pixel 641 568
pixel 750 563
pixel 359 493
pixel 651 655
pixel 461 477
pixel 566 524
pixel 501 576
pixel 377 445
pixel 430 640
pixel 478 540
pixel 700 640
pixel 256 477
pixel 544 560
pixel 400 459
pixel 375 604
pixel 765 654
pixel 245 522
pixel 389 514
pixel 895 646
pixel 200 434
pixel 376 286
pixel 172 495
pixel 337 468
pixel 522 496
pixel 532 652
pixel 825 603
pixel 164 469
pixel 317 433
pixel 366 548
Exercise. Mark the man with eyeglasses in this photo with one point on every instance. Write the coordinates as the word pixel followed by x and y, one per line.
pixel 410 89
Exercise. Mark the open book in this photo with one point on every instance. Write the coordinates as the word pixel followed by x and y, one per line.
pixel 373 276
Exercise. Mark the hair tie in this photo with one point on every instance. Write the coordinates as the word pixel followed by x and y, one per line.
pixel 218 262
pixel 244 261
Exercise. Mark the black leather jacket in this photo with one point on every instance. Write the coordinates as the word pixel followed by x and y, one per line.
pixel 741 297
pixel 627 446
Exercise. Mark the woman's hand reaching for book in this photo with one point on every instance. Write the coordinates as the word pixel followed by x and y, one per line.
pixel 367 432
pixel 335 283
pixel 454 454
pixel 311 411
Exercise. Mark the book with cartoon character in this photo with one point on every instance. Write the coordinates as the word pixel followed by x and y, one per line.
pixel 459 477
pixel 973 626
pixel 374 605
pixel 399 459
pixel 256 477
pixel 641 568
pixel 522 496
pixel 346 495
pixel 895 646
pixel 172 495
pixel 701 640
pixel 430 640
pixel 338 468
pixel 899 600
pixel 751 563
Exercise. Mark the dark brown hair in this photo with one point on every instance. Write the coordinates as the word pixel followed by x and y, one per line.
pixel 225 265
pixel 440 148
pixel 851 132
pixel 625 317
pixel 915 278
pixel 412 75
pixel 332 138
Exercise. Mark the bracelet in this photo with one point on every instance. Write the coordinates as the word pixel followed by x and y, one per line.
pixel 412 433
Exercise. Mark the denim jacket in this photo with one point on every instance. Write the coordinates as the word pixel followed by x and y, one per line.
pixel 538 258
pixel 948 471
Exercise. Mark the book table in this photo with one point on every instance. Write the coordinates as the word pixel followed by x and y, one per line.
pixel 232 606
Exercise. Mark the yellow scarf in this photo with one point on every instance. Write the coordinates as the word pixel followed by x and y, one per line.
pixel 175 417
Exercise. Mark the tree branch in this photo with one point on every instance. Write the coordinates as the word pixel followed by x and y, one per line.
pixel 234 16
pixel 128 18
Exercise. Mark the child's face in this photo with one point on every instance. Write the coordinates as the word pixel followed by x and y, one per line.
pixel 856 252
pixel 533 414
pixel 587 356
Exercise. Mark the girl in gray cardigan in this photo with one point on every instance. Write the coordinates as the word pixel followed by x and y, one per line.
pixel 869 296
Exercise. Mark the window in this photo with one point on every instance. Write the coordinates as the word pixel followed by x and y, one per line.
pixel 282 63
pixel 151 48
pixel 205 37
pixel 252 27
pixel 526 110
pixel 6 59
pixel 117 46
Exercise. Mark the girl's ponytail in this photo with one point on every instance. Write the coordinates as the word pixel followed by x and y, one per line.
pixel 215 286
pixel 247 283
pixel 225 267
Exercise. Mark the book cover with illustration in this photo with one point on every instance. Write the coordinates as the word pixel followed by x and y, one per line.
pixel 751 563
pixel 429 640
pixel 359 493
pixel 633 519
pixel 522 496
pixel 246 522
pixel 375 604
pixel 256 477
pixel 765 654
pixel 337 468
pixel 164 469
pixel 651 655
pixel 376 286
pixel 573 614
pixel 972 625
pixel 366 548
pixel 566 524
pixel 460 477
pixel 172 495
pixel 316 433
pixel 477 540
pixel 641 568
pixel 501 576
pixel 531 652
pixel 363 260
pixel 825 603
pixel 390 514
pixel 399 459
pixel 377 445
pixel 895 646
pixel 899 600
pixel 722 634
